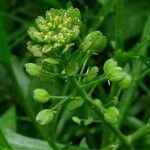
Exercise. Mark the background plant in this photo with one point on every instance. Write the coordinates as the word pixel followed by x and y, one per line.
pixel 117 117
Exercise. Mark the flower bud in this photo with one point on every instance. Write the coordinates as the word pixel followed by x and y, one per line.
pixel 32 69
pixel 35 35
pixel 41 24
pixel 41 95
pixel 45 116
pixel 111 114
pixel 94 41
pixel 36 50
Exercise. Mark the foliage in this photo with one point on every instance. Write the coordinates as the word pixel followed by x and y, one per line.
pixel 77 77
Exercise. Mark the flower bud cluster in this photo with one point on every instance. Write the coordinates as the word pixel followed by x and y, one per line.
pixel 54 32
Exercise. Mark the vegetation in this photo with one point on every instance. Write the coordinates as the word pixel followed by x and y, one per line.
pixel 74 75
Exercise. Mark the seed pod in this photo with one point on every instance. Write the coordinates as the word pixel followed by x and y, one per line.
pixel 125 82
pixel 116 74
pixel 75 103
pixel 41 95
pixel 109 64
pixel 76 120
pixel 91 74
pixel 71 69
pixel 32 69
pixel 98 103
pixel 45 116
pixel 111 114
pixel 94 41
pixel 88 121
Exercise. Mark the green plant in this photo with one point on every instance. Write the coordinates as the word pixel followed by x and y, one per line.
pixel 64 61
pixel 86 84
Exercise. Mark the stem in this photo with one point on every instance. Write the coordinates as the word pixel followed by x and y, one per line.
pixel 101 78
pixel 63 101
pixel 119 27
pixel 139 133
pixel 83 67
pixel 58 97
pixel 99 112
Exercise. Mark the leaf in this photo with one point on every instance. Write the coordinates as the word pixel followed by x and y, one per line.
pixel 20 142
pixel 133 25
pixel 83 143
pixel 75 103
pixel 3 143
pixel 126 56
pixel 8 119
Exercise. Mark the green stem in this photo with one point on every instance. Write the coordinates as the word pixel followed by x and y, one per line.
pixel 101 78
pixel 99 112
pixel 139 133
pixel 119 27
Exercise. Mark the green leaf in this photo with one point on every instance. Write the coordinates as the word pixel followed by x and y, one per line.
pixel 20 142
pixel 8 119
pixel 83 143
pixel 75 103
pixel 126 56
pixel 3 143
pixel 133 25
